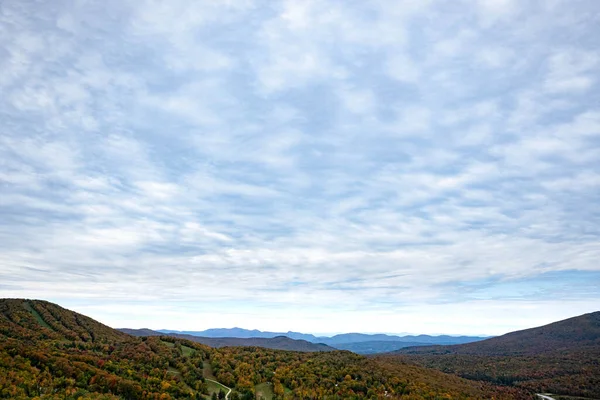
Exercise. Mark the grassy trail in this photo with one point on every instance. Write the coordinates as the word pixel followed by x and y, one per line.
pixel 219 386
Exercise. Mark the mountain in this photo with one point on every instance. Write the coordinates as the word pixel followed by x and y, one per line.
pixel 344 341
pixel 278 342
pixel 245 333
pixel 561 357
pixel 425 339
pixel 48 352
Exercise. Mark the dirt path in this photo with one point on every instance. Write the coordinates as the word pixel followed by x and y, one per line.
pixel 219 383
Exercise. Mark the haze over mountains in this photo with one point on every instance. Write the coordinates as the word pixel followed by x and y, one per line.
pixel 356 342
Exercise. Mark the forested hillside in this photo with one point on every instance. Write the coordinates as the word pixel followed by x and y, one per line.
pixel 562 357
pixel 276 343
pixel 48 352
pixel 344 375
pixel 376 346
pixel 575 333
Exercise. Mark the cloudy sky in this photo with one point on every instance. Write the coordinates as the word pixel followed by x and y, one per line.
pixel 320 166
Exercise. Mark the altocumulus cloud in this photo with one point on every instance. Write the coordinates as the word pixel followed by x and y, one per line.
pixel 321 166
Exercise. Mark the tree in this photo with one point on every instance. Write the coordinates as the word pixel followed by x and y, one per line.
pixel 278 389
pixel 214 396
pixel 221 394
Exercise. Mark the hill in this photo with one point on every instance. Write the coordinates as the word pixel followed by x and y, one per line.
pixel 575 333
pixel 277 343
pixel 48 352
pixel 37 319
pixel 140 332
pixel 376 346
pixel 561 357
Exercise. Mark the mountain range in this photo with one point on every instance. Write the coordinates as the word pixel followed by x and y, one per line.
pixel 356 342
pixel 277 342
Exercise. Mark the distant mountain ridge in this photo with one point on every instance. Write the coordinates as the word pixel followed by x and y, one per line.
pixel 244 334
pixel 276 343
pixel 375 343
pixel 363 337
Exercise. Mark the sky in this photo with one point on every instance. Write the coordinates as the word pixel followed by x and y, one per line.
pixel 318 166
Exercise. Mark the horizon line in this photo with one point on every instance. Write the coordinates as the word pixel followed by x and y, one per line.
pixel 327 335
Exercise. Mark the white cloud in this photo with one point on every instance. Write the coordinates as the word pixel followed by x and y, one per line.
pixel 491 11
pixel 358 101
pixel 495 57
pixel 369 162
pixel 413 119
pixel 402 68
pixel 571 71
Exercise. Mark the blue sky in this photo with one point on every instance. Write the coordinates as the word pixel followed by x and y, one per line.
pixel 319 166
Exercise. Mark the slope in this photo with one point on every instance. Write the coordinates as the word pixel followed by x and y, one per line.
pixel 50 352
pixel 561 357
pixel 38 319
pixel 575 333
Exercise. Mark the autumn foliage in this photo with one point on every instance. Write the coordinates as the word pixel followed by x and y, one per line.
pixel 48 352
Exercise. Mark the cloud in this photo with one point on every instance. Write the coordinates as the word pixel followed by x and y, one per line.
pixel 403 69
pixel 331 162
pixel 571 71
